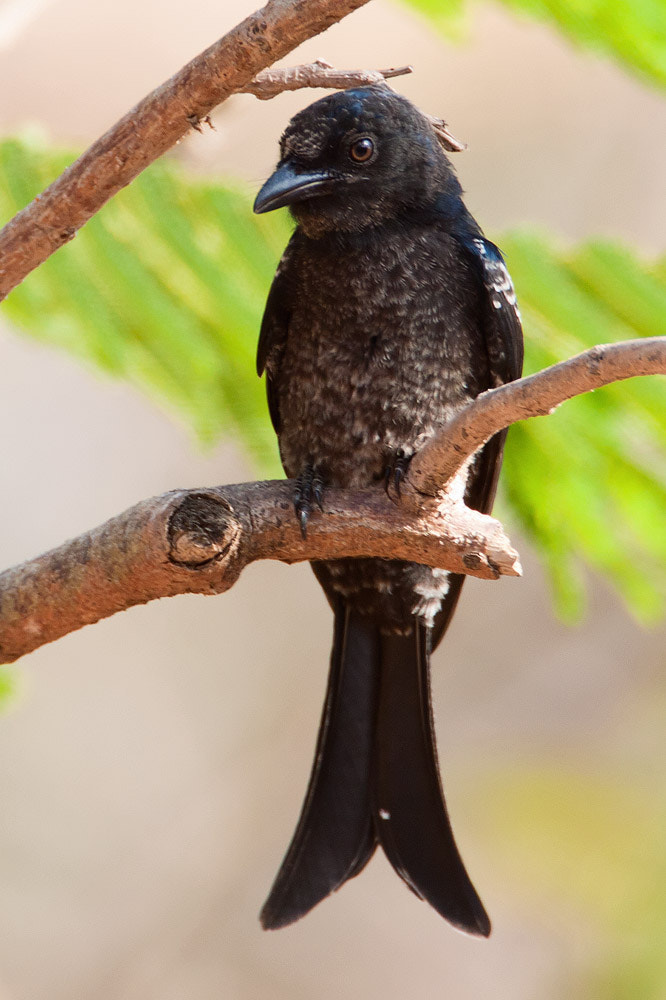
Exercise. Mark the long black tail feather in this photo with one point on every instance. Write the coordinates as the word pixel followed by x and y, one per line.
pixel 412 823
pixel 335 836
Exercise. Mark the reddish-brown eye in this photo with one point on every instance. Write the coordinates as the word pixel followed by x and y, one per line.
pixel 361 150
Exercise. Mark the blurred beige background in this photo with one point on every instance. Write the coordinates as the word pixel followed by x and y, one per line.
pixel 153 769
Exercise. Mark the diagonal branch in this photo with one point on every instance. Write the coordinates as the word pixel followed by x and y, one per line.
pixel 155 125
pixel 199 541
pixel 534 396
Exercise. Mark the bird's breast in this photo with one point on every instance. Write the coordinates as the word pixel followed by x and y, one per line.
pixel 384 342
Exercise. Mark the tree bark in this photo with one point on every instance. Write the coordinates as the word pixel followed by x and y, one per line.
pixel 199 541
pixel 534 396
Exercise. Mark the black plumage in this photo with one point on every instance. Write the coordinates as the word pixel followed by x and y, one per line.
pixel 389 310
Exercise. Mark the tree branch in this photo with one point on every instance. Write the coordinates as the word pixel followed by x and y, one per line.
pixel 534 396
pixel 156 124
pixel 199 541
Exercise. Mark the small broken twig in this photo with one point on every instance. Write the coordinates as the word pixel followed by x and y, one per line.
pixel 446 139
pixel 271 82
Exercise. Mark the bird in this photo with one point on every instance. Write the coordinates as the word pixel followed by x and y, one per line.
pixel 388 312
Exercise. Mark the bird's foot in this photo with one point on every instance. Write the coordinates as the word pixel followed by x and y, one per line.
pixel 395 472
pixel 309 490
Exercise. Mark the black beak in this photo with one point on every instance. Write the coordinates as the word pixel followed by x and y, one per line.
pixel 288 185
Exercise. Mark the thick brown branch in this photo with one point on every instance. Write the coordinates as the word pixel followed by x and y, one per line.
pixel 156 124
pixel 534 396
pixel 199 541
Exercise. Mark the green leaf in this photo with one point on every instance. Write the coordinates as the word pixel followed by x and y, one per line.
pixel 165 287
pixel 631 31
pixel 588 483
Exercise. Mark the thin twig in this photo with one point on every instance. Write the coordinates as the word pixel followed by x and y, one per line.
pixel 445 137
pixel 271 82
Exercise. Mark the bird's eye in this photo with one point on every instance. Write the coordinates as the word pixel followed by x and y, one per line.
pixel 361 150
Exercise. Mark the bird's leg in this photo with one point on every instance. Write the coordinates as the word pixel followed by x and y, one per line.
pixel 309 489
pixel 395 471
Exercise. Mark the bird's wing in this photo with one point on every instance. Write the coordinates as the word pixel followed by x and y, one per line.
pixel 503 330
pixel 504 343
pixel 273 333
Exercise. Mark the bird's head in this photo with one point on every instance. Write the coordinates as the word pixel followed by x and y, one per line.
pixel 356 159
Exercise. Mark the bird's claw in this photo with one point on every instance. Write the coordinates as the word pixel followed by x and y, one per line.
pixel 395 472
pixel 309 489
pixel 302 514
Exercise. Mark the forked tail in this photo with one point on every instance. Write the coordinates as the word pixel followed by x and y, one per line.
pixel 375 778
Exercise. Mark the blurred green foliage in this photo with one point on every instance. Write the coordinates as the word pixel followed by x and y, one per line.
pixel 595 841
pixel 631 31
pixel 588 483
pixel 165 287
pixel 9 682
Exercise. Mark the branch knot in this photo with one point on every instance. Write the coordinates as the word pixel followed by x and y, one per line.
pixel 202 529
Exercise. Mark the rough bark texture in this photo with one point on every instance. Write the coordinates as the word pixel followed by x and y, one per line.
pixel 198 541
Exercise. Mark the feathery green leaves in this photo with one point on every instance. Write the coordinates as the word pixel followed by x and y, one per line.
pixel 9 685
pixel 165 287
pixel 588 483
